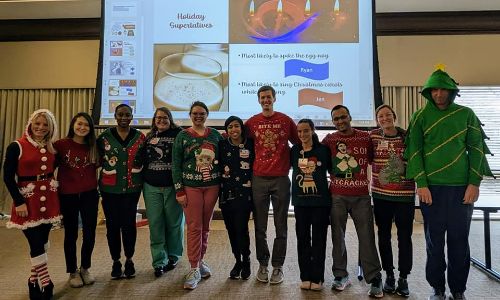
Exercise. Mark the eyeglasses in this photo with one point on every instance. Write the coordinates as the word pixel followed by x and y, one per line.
pixel 162 119
pixel 199 114
pixel 343 117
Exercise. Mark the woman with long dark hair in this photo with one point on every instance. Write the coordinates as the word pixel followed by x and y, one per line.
pixel 311 201
pixel 77 161
pixel 36 205
pixel 120 184
pixel 165 216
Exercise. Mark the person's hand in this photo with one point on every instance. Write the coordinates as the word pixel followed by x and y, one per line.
pixel 424 195
pixel 471 194
pixel 22 210
pixel 182 200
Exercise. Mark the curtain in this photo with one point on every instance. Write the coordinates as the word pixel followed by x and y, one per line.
pixel 17 105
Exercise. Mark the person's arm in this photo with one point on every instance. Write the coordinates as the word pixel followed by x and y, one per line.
pixel 294 136
pixel 177 160
pixel 9 173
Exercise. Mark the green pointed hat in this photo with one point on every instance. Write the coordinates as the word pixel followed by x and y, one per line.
pixel 440 80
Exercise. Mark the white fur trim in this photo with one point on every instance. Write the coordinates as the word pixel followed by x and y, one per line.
pixel 31 224
pixel 54 132
pixel 46 246
pixel 38 260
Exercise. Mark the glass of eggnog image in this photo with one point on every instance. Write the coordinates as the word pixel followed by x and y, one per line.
pixel 184 78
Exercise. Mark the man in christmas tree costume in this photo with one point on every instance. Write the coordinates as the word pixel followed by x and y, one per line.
pixel 446 158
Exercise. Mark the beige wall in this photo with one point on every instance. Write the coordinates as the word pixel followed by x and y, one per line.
pixel 404 60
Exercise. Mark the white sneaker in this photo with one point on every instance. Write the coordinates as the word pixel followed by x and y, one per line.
pixel 192 279
pixel 75 281
pixel 87 278
pixel 205 270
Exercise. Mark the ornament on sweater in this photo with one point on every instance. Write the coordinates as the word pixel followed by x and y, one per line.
pixel 226 172
pixel 305 180
pixel 54 184
pixel 244 165
pixel 27 191
pixel 109 171
pixel 393 171
pixel 205 156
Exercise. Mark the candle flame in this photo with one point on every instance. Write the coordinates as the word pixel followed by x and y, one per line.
pixel 308 7
pixel 336 7
pixel 280 7
pixel 252 8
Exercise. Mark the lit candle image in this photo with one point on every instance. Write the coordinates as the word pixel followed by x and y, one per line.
pixel 336 7
pixel 279 18
pixel 251 9
pixel 307 8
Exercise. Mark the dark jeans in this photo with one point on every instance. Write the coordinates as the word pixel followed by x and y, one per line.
pixel 72 205
pixel 275 190
pixel 236 216
pixel 37 238
pixel 311 248
pixel 120 211
pixel 402 214
pixel 447 216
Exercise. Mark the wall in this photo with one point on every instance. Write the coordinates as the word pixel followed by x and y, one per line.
pixel 404 60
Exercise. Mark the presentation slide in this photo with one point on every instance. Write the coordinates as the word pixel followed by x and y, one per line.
pixel 315 53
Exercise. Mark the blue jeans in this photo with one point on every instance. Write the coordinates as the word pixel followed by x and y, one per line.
pixel 447 216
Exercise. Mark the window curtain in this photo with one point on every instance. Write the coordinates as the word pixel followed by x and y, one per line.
pixel 17 105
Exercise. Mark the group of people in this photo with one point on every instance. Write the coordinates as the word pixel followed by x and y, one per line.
pixel 183 172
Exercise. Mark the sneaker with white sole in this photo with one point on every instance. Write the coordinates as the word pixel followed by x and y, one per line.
pixel 192 279
pixel 263 274
pixel 75 281
pixel 277 276
pixel 205 270
pixel 340 283
pixel 376 288
pixel 87 278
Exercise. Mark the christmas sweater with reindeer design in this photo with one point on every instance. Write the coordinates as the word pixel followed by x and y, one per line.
pixel 195 159
pixel 309 178
pixel 121 161
pixel 271 136
pixel 388 168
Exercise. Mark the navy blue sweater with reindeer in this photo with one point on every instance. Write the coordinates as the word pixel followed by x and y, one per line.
pixel 309 178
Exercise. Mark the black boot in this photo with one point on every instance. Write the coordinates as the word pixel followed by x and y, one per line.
pixel 34 289
pixel 245 268
pixel 235 272
pixel 48 291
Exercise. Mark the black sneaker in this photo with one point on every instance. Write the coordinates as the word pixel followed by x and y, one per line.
pixel 457 296
pixel 236 271
pixel 245 269
pixel 170 265
pixel 402 289
pixel 116 271
pixel 437 295
pixel 390 284
pixel 129 269
pixel 159 271
pixel 48 291
pixel 34 290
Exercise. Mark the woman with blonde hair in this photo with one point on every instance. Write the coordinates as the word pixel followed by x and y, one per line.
pixel 36 205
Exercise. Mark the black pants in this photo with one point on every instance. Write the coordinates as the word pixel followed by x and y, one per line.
pixel 236 217
pixel 402 214
pixel 72 205
pixel 447 216
pixel 120 211
pixel 37 238
pixel 311 249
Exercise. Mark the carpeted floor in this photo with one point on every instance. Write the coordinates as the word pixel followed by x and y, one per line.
pixel 14 267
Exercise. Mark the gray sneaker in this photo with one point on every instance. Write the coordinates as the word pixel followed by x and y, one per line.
pixel 340 283
pixel 263 274
pixel 437 295
pixel 75 281
pixel 276 276
pixel 87 277
pixel 205 270
pixel 192 279
pixel 376 289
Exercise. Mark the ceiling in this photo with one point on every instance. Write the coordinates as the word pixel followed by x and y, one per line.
pixel 49 9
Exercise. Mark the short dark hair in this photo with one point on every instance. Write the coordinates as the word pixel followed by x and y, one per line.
pixel 266 88
pixel 199 104
pixel 340 106
pixel 123 105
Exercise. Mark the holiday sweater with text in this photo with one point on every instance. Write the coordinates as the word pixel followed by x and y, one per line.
pixel 389 169
pixel 351 155
pixel 271 136
pixel 195 159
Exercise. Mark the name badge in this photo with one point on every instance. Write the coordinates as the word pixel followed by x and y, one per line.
pixel 244 153
pixel 302 162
